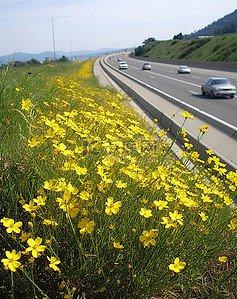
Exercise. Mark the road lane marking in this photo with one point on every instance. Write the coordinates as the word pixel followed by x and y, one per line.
pixel 182 81
pixel 191 91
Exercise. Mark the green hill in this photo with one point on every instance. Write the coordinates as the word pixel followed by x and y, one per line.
pixel 221 48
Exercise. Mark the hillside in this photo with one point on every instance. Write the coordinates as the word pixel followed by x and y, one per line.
pixel 227 24
pixel 221 48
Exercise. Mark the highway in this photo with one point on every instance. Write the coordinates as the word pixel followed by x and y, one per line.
pixel 222 135
pixel 186 87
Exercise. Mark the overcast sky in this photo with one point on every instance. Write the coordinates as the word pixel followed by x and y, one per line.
pixel 26 25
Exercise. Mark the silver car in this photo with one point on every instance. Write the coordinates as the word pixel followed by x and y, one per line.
pixel 146 66
pixel 184 69
pixel 216 86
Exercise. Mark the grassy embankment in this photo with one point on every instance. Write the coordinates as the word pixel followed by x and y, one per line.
pixel 93 203
pixel 221 48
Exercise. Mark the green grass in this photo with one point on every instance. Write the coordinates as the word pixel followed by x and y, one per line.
pixel 221 48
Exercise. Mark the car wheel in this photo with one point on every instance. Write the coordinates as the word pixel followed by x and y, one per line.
pixel 203 92
pixel 232 96
pixel 212 95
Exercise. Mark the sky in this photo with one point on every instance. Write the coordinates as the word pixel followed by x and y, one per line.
pixel 26 25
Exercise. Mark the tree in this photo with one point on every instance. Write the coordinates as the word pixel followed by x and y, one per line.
pixel 63 59
pixel 139 51
pixel 47 60
pixel 178 36
pixel 150 39
pixel 33 62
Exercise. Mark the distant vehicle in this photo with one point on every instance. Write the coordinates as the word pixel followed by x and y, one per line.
pixel 119 59
pixel 146 66
pixel 123 65
pixel 184 69
pixel 216 86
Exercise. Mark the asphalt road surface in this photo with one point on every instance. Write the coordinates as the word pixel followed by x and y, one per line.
pixel 186 87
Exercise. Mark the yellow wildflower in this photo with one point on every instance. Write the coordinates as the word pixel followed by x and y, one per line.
pixel 227 200
pixel 120 184
pixel 183 133
pixel 24 236
pixel 222 259
pixel 233 224
pixel 40 200
pixel 73 210
pixel 111 207
pixel 177 266
pixel 53 262
pixel 188 145
pixel 35 247
pixel 30 207
pixel 80 170
pixel 148 237
pixel 11 225
pixel 204 129
pixel 84 195
pixel 26 104
pixel 118 245
pixel 33 142
pixel 86 225
pixel 185 114
pixel 11 262
pixel 145 212
pixel 175 216
pixel 203 216
pixel 49 185
pixel 210 152
pixel 161 204
pixel 50 222
pixel 168 222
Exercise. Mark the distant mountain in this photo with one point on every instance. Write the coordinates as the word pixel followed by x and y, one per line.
pixel 227 24
pixel 19 56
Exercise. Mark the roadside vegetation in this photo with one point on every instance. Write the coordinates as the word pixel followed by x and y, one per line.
pixel 221 48
pixel 94 203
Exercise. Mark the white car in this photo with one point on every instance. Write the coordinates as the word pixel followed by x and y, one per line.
pixel 123 65
pixel 184 69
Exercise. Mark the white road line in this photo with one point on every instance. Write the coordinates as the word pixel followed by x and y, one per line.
pixel 194 92
pixel 196 85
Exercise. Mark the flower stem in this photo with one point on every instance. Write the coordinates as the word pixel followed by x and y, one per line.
pixel 77 241
pixel 45 296
pixel 12 286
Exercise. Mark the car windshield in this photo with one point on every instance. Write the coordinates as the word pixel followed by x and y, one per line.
pixel 221 81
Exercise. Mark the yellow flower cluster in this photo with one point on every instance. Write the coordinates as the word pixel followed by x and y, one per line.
pixel 111 185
